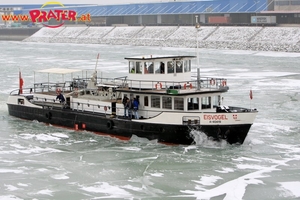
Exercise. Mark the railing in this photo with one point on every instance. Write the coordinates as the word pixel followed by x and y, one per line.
pixel 48 87
pixel 122 82
pixel 206 82
pixel 106 109
pixel 25 91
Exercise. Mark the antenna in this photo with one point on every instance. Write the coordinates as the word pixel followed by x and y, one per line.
pixel 94 76
pixel 97 62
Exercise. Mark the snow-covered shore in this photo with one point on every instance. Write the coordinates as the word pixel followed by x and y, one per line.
pixel 285 39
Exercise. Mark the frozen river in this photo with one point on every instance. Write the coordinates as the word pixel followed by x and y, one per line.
pixel 45 162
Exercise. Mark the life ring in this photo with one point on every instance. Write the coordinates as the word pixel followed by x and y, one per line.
pixel 191 86
pixel 158 86
pixel 184 86
pixel 212 81
pixel 224 83
pixel 109 124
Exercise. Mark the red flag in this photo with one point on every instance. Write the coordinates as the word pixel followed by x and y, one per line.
pixel 250 94
pixel 21 82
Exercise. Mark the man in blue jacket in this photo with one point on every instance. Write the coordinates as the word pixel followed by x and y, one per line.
pixel 135 108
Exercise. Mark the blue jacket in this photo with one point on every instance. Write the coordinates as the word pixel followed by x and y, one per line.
pixel 135 104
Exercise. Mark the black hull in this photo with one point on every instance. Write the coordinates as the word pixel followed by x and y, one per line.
pixel 125 128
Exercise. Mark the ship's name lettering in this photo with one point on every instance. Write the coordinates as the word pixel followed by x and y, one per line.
pixel 215 117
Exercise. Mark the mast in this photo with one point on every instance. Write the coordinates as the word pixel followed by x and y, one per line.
pixel 197 26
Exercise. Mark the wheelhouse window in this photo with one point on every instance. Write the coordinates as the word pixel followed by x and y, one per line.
pixel 179 66
pixel 206 102
pixel 131 67
pixel 178 103
pixel 170 67
pixel 138 67
pixel 167 102
pixel 193 103
pixel 146 101
pixel 159 68
pixel 187 65
pixel 150 67
pixel 155 101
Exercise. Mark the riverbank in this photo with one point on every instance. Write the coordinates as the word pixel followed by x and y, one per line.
pixel 284 39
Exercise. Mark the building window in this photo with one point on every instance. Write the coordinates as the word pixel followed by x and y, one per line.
pixel 295 2
pixel 167 102
pixel 155 101
pixel 178 103
pixel 282 3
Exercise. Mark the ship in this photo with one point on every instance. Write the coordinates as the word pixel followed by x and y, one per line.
pixel 158 99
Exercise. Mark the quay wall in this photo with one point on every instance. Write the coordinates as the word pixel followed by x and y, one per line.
pixel 17 34
pixel 257 38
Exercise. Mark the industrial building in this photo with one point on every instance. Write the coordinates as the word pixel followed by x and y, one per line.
pixel 220 12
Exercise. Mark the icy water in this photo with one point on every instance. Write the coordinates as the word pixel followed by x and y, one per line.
pixel 46 162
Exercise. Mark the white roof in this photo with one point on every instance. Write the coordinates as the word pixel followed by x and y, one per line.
pixel 58 71
pixel 159 57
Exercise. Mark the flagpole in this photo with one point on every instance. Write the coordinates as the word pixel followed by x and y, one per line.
pixel 20 82
pixel 251 97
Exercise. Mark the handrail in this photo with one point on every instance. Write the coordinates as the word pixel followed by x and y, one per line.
pixel 83 107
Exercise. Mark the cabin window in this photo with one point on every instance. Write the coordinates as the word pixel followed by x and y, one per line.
pixel 131 67
pixel 206 102
pixel 216 101
pixel 155 101
pixel 178 103
pixel 187 65
pixel 146 101
pixel 138 67
pixel 167 102
pixel 179 66
pixel 20 101
pixel 193 103
pixel 170 67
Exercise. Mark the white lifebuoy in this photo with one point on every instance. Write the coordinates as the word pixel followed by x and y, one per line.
pixel 158 86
